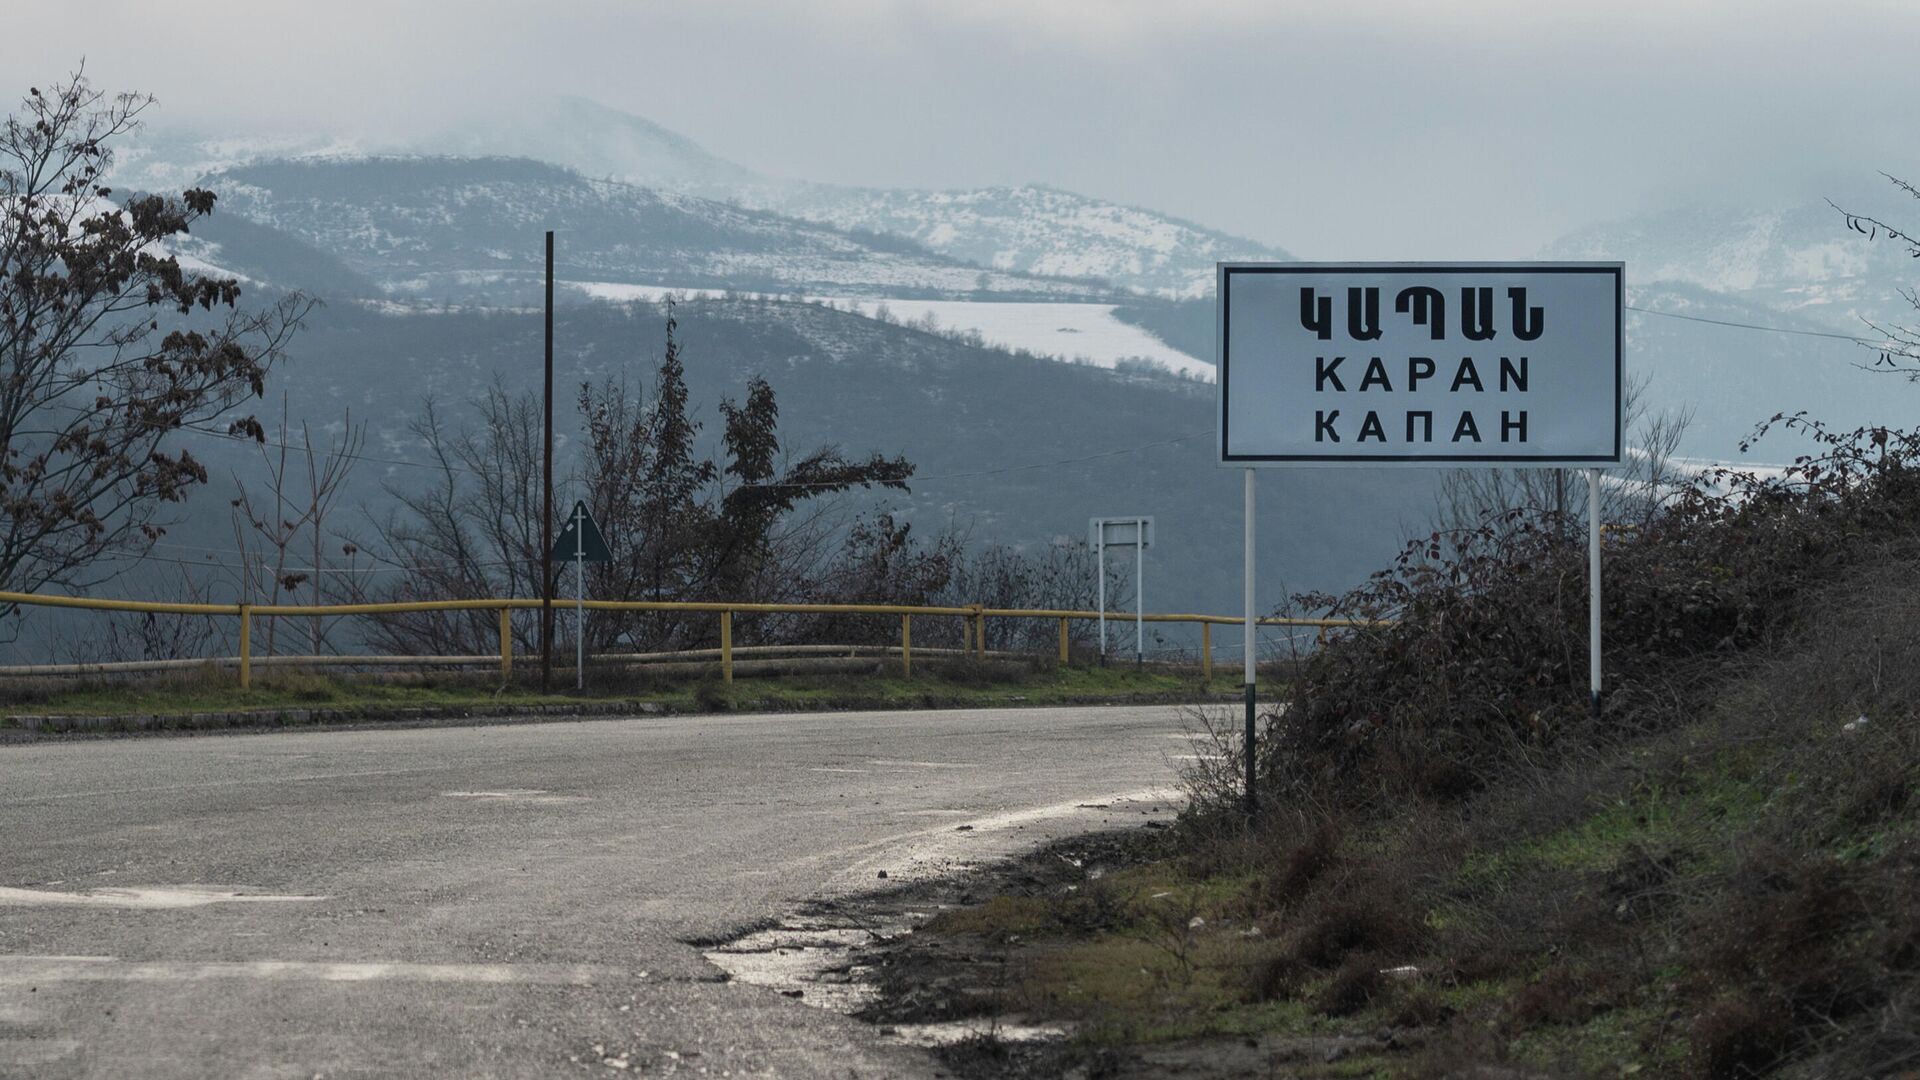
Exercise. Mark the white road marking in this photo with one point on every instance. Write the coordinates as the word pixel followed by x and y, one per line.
pixel 37 970
pixel 141 898
pixel 823 768
pixel 303 779
pixel 19 1052
pixel 926 764
pixel 518 795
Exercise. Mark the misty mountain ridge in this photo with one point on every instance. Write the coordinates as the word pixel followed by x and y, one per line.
pixel 1028 229
pixel 470 229
pixel 1801 259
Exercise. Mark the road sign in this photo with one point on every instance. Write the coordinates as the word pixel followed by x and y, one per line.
pixel 1394 364
pixel 1460 365
pixel 1120 532
pixel 580 538
pixel 1136 533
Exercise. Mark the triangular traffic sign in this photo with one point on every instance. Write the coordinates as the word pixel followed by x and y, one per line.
pixel 580 538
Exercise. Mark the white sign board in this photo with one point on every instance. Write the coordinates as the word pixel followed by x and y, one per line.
pixel 1120 532
pixel 1465 364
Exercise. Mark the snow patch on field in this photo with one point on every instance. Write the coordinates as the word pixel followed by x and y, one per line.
pixel 1081 332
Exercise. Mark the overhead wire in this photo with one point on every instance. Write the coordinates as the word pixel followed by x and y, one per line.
pixel 1756 326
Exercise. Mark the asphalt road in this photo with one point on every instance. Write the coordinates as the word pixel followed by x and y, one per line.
pixel 511 901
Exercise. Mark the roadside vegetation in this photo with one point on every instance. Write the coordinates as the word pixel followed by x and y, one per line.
pixel 1461 870
pixel 935 683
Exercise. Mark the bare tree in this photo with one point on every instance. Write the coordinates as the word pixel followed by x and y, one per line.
pixel 290 515
pixel 1556 499
pixel 146 635
pixel 108 346
pixel 472 532
pixel 1899 352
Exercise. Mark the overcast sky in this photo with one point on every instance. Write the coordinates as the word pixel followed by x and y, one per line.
pixel 1351 129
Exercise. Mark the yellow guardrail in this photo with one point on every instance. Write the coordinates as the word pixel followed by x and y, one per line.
pixel 973 632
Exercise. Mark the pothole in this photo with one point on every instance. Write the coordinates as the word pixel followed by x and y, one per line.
pixel 813 958
pixel 950 1032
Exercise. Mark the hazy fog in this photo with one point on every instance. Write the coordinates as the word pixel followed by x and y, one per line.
pixel 1373 129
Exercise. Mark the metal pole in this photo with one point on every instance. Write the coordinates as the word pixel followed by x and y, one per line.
pixel 1247 647
pixel 546 512
pixel 580 602
pixel 1139 591
pixel 1593 582
pixel 1100 576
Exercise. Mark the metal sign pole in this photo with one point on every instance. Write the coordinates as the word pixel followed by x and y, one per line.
pixel 1100 575
pixel 1593 583
pixel 580 602
pixel 1139 590
pixel 1253 798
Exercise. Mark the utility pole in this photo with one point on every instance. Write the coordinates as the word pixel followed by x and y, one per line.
pixel 546 513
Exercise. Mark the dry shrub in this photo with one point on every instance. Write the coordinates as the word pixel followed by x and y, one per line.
pixel 1741 1037
pixel 1561 995
pixel 1354 986
pixel 1360 913
pixel 1275 974
pixel 1305 863
pixel 1484 662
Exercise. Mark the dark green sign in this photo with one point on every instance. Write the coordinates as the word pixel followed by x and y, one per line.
pixel 580 538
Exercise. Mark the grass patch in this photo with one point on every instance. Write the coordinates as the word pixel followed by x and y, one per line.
pixel 210 690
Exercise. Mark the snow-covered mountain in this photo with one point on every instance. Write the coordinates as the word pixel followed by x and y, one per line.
pixel 1038 230
pixel 469 229
pixel 170 160
pixel 1800 259
pixel 1032 229
pixel 601 143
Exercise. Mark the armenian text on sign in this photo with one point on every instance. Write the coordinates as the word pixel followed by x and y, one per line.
pixel 1405 364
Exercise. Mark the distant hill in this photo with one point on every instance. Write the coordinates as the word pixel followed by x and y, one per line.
pixel 1039 230
pixel 1030 229
pixel 470 229
pixel 1800 259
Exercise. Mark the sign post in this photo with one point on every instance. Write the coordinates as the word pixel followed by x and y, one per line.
pixel 1391 365
pixel 1249 645
pixel 1593 589
pixel 1136 532
pixel 580 541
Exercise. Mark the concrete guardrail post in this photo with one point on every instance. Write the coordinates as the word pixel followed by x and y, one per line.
pixel 1206 651
pixel 906 646
pixel 506 644
pixel 1063 642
